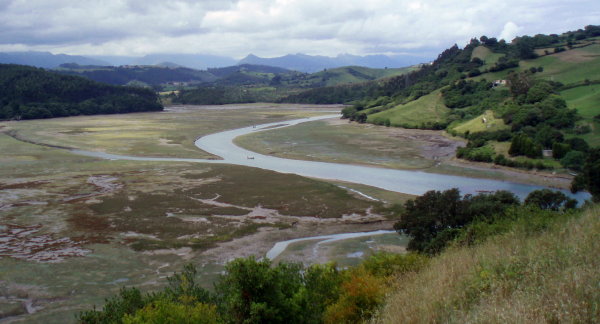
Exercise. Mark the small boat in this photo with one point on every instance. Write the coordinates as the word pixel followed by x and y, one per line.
pixel 250 157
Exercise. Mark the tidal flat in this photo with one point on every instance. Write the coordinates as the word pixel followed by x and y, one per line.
pixel 75 229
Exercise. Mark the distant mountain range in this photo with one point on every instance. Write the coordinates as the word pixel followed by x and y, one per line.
pixel 46 60
pixel 310 63
pixel 297 62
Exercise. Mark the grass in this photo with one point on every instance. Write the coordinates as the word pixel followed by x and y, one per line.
pixel 477 125
pixel 167 134
pixel 487 56
pixel 519 277
pixel 427 109
pixel 570 66
pixel 586 99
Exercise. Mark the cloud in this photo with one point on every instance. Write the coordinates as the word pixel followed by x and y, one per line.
pixel 509 32
pixel 276 27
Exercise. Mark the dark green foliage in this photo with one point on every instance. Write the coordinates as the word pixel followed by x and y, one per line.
pixel 559 150
pixel 220 95
pixel 181 286
pixel 573 160
pixel 28 93
pixel 128 301
pixel 184 284
pixel 122 75
pixel 578 144
pixel 523 145
pixel 589 178
pixel 549 199
pixel 466 93
pixel 475 153
pixel 254 292
pixel 432 219
pixel 547 136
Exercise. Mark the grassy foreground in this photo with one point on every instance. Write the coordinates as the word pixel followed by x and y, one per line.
pixel 524 276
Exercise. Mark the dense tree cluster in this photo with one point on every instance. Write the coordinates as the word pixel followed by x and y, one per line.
pixel 220 95
pixel 29 93
pixel 436 218
pixel 258 291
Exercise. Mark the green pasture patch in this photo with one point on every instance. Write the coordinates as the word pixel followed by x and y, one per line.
pixel 484 122
pixel 427 109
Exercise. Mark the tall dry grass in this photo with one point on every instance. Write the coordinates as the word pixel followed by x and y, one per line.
pixel 518 277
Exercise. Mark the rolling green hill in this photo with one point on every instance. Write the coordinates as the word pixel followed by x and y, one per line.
pixel 420 113
pixel 29 93
pixel 353 74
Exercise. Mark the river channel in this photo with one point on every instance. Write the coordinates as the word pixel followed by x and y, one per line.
pixel 404 181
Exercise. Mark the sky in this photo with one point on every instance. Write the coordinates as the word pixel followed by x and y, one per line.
pixel 270 28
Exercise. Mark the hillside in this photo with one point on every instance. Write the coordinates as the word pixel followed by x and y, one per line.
pixel 315 63
pixel 254 83
pixel 149 75
pixel 29 93
pixel 533 273
pixel 424 112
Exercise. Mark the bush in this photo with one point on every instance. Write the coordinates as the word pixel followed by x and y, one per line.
pixel 573 160
pixel 162 311
pixel 549 199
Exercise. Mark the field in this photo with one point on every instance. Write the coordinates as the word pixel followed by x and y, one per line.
pixel 429 108
pixel 570 66
pixel 586 99
pixel 477 124
pixel 74 229
pixel 486 55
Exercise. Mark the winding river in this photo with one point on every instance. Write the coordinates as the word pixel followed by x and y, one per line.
pixel 410 182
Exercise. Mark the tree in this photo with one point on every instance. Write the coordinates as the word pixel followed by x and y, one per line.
pixel 549 199
pixel 432 220
pixel 573 160
pixel 519 83
pixel 589 178
pixel 559 150
pixel 523 145
pixel 252 291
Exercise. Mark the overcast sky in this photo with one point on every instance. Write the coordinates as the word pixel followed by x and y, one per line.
pixel 277 27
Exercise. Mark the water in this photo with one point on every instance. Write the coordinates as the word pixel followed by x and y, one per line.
pixel 410 182
pixel 279 247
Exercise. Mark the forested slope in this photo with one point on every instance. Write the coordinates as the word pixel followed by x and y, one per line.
pixel 29 93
